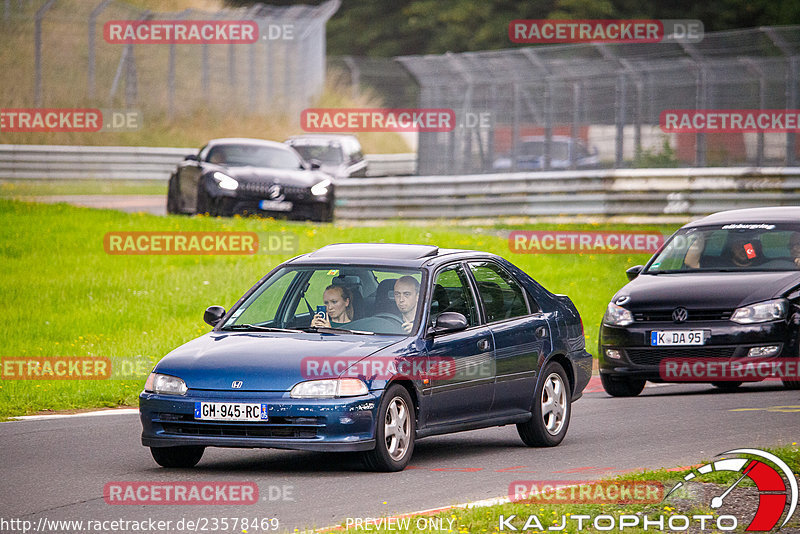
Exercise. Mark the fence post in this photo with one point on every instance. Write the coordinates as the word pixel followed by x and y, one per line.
pixel 619 107
pixel 92 30
pixel 37 43
pixel 790 92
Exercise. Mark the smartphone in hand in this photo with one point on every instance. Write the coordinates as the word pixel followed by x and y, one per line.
pixel 323 311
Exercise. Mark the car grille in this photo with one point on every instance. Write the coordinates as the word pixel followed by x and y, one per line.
pixel 694 315
pixel 655 355
pixel 261 189
pixel 277 427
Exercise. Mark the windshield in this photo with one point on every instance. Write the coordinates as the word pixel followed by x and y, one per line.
pixel 326 154
pixel 730 247
pixel 362 299
pixel 254 156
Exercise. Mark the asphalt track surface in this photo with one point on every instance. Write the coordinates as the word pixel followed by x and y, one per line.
pixel 56 469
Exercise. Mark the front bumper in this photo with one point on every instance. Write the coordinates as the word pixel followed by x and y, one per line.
pixel 346 424
pixel 726 342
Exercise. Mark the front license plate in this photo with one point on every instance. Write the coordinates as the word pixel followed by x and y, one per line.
pixel 230 411
pixel 275 205
pixel 660 338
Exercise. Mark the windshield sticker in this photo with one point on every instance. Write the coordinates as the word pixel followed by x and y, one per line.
pixel 748 227
pixel 749 250
pixel 333 272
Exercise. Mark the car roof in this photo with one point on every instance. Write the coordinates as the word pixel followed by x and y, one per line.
pixel 386 254
pixel 558 138
pixel 245 141
pixel 774 214
pixel 322 138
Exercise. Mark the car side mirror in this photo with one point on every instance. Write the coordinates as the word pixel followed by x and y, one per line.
pixel 213 315
pixel 634 271
pixel 191 157
pixel 315 164
pixel 448 322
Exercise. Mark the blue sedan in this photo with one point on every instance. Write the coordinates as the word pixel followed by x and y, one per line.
pixel 369 347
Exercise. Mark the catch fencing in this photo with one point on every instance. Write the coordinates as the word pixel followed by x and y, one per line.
pixel 607 96
pixel 71 62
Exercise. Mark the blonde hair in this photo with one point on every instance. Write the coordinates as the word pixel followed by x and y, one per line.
pixel 346 294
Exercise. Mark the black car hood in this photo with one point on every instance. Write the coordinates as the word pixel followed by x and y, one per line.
pixel 296 178
pixel 708 290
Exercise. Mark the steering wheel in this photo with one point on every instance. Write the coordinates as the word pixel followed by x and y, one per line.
pixel 390 316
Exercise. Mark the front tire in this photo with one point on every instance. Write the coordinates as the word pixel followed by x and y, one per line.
pixel 790 384
pixel 551 410
pixel 172 195
pixel 177 456
pixel 204 205
pixel 727 385
pixel 395 432
pixel 622 387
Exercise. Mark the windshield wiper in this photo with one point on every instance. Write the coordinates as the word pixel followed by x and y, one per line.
pixel 333 330
pixel 259 328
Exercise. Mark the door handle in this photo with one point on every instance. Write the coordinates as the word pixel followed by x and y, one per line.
pixel 483 344
pixel 541 332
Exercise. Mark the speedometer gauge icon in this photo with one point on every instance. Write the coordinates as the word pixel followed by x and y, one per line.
pixel 776 487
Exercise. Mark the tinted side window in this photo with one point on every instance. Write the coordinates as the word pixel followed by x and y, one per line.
pixel 501 295
pixel 451 294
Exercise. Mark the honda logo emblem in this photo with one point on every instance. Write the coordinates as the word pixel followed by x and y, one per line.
pixel 236 384
pixel 680 315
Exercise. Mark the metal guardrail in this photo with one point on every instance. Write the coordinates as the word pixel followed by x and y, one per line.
pixel 601 192
pixel 690 191
pixel 55 162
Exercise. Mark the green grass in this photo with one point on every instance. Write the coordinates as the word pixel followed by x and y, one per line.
pixel 478 520
pixel 66 297
pixel 28 188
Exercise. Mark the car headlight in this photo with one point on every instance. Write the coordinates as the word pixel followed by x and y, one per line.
pixel 321 188
pixel 225 182
pixel 617 315
pixel 761 312
pixel 166 384
pixel 339 387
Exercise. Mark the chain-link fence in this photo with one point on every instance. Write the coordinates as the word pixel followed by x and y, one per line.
pixel 596 105
pixel 71 62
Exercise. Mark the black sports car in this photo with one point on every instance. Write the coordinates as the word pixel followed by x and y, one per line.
pixel 719 303
pixel 250 177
